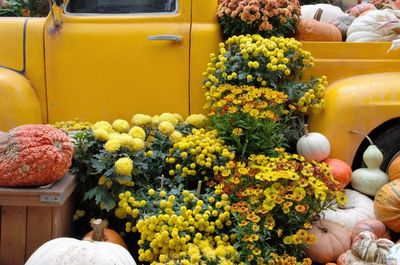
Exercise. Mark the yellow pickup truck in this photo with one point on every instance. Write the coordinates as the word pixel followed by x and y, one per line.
pixel 99 60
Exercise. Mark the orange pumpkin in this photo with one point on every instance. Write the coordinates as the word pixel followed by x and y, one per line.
pixel 341 171
pixel 333 239
pixel 371 225
pixel 99 233
pixel 394 168
pixel 387 205
pixel 315 30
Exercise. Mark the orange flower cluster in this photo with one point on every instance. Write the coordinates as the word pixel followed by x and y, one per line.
pixel 263 11
pixel 275 198
pixel 260 103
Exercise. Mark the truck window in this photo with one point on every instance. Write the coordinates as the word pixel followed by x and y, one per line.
pixel 122 6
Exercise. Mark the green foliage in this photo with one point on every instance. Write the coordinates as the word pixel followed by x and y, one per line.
pixel 38 8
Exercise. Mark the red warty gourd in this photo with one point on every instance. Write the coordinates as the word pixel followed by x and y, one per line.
pixel 34 155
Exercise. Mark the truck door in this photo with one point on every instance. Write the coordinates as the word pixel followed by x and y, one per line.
pixel 112 59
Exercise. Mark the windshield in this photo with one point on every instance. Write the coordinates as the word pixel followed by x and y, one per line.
pixel 121 6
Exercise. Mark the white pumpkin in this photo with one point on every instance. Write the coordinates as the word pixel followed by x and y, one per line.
pixel 369 180
pixel 329 14
pixel 358 207
pixel 70 251
pixel 313 146
pixel 375 26
pixel 393 256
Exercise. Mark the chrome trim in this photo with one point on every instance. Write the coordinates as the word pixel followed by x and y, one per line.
pixel 120 14
pixel 165 37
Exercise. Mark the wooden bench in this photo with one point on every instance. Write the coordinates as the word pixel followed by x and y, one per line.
pixel 31 216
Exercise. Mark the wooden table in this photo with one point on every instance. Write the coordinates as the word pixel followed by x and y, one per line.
pixel 31 216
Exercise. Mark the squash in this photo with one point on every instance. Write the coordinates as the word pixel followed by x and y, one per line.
pixel 358 207
pixel 330 12
pixel 367 249
pixel 361 8
pixel 315 30
pixel 99 233
pixel 313 146
pixel 332 240
pixel 341 171
pixel 369 180
pixel 371 225
pixel 72 251
pixel 343 23
pixel 34 155
pixel 387 205
pixel 375 26
pixel 394 168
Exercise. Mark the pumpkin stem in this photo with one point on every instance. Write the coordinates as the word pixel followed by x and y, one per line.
pixel 323 229
pixel 344 207
pixel 305 129
pixel 318 14
pixel 363 134
pixel 98 230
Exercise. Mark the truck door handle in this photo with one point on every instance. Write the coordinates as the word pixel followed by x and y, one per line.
pixel 176 38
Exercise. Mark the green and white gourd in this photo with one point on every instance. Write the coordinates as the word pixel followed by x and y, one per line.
pixel 369 180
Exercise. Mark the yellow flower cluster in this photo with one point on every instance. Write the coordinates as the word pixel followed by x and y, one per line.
pixel 266 60
pixel 116 135
pixel 260 103
pixel 313 99
pixel 287 260
pixel 181 221
pixel 201 153
pixel 74 125
pixel 201 253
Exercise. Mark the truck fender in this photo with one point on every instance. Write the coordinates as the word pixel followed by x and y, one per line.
pixel 362 103
pixel 19 103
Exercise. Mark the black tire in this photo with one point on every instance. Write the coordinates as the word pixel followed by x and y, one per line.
pixel 388 142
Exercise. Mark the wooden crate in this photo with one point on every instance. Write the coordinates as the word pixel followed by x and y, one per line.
pixel 31 216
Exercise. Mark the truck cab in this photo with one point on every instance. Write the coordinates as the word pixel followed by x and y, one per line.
pixel 107 59
pixel 102 60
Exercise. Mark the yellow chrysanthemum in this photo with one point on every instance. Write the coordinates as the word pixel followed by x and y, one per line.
pixel 137 132
pixel 137 144
pixel 120 213
pixel 166 127
pixel 175 136
pixel 178 117
pixel 121 126
pixel 155 120
pixel 102 125
pixel 112 145
pixel 102 180
pixel 197 120
pixel 141 119
pixel 100 134
pixel 124 166
pixel 168 117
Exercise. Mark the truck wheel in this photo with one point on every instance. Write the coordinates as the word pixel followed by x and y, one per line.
pixel 389 144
